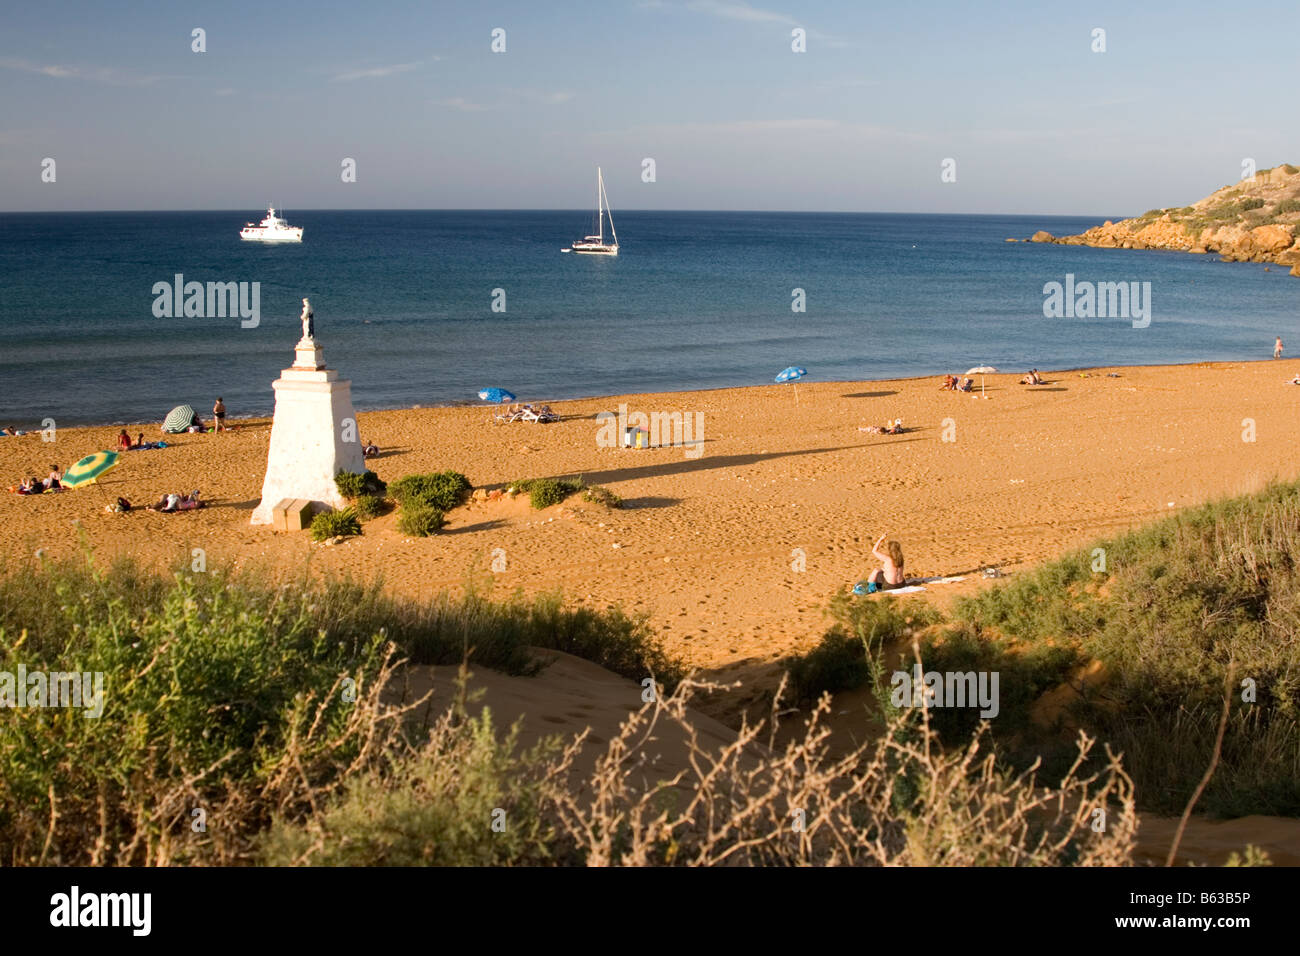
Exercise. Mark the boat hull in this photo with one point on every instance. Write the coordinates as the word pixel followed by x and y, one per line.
pixel 597 251
pixel 295 236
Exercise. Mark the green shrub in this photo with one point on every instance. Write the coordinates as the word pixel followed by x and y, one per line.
pixel 602 496
pixel 1290 170
pixel 1287 206
pixel 1230 210
pixel 1253 203
pixel 419 520
pixel 369 506
pixel 443 490
pixel 352 485
pixel 225 691
pixel 1178 603
pixel 436 808
pixel 845 658
pixel 330 524
pixel 544 492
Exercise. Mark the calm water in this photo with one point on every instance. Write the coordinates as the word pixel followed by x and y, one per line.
pixel 696 300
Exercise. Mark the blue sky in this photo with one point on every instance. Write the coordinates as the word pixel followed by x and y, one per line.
pixel 1037 122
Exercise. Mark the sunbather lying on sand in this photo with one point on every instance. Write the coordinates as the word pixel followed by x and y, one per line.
pixel 889 428
pixel 169 503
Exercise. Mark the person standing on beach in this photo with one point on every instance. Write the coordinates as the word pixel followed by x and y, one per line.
pixel 219 413
pixel 1277 348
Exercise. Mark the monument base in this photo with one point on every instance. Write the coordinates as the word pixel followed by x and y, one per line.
pixel 313 435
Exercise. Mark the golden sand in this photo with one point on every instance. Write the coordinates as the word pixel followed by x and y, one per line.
pixel 734 553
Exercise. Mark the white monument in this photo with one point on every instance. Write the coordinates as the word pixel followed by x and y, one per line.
pixel 314 431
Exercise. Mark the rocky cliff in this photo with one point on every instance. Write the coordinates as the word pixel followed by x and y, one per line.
pixel 1255 220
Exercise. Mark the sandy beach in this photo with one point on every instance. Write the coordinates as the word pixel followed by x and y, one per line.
pixel 735 552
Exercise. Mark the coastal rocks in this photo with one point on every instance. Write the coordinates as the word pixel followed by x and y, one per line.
pixel 1248 221
pixel 1271 239
pixel 1295 271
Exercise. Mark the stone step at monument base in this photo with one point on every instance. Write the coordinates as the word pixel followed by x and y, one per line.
pixel 294 514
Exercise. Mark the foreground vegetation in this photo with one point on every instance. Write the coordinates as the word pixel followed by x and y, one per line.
pixel 225 693
pixel 249 723
pixel 1168 616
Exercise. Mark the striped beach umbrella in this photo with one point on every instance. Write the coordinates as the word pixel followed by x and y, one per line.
pixel 88 470
pixel 178 419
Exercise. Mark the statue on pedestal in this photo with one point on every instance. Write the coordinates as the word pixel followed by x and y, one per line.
pixel 308 323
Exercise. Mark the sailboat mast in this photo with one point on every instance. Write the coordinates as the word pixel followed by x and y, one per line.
pixel 600 212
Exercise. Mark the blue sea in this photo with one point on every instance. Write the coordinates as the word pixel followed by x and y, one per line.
pixel 403 305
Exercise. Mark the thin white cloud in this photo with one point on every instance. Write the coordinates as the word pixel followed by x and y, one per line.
pixel 105 75
pixel 552 99
pixel 373 72
pixel 744 13
pixel 731 129
pixel 729 10
pixel 464 105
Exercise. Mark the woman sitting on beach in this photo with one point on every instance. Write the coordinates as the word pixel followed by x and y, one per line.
pixel 54 480
pixel 123 440
pixel 369 451
pixel 949 383
pixel 1032 378
pixel 890 573
pixel 967 385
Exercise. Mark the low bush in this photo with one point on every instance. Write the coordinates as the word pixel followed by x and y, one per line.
pixel 544 492
pixel 352 485
pixel 420 519
pixel 369 506
pixel 602 496
pixel 443 490
pixel 332 524
pixel 845 659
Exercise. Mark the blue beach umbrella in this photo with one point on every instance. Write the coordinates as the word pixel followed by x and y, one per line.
pixel 792 374
pixel 498 395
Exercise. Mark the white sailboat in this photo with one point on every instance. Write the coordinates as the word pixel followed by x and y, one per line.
pixel 596 245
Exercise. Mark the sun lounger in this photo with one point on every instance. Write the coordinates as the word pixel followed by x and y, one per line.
pixel 543 414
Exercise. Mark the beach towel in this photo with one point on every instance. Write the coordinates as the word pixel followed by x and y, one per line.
pixel 869 587
pixel 911 586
